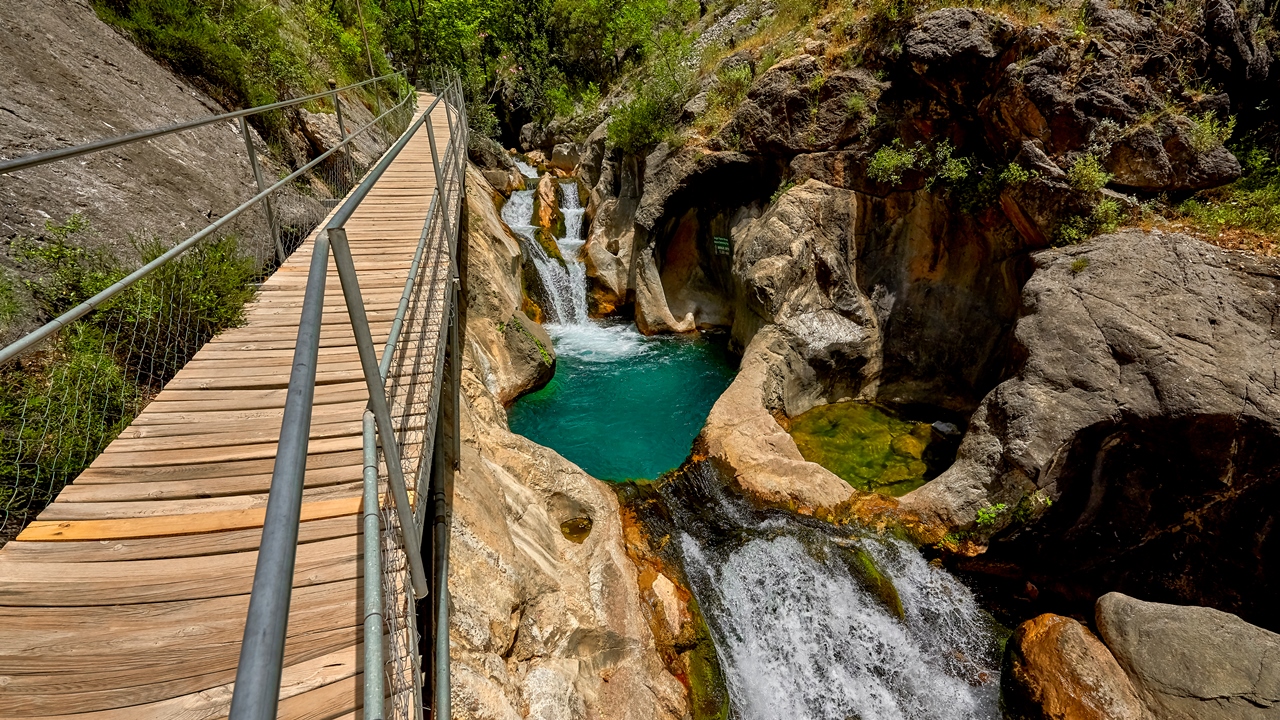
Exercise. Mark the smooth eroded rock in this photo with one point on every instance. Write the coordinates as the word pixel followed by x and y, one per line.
pixel 1055 669
pixel 1193 663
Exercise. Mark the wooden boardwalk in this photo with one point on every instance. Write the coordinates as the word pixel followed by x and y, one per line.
pixel 127 597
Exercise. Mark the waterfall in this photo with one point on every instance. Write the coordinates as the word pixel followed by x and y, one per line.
pixel 803 628
pixel 565 284
pixel 560 305
pixel 571 249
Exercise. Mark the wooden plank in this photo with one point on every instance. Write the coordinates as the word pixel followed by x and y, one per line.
pixel 40 584
pixel 174 525
pixel 127 598
pixel 174 546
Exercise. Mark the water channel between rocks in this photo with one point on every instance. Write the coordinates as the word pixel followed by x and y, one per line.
pixel 809 621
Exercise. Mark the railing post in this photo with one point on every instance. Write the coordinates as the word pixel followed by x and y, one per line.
pixel 257 176
pixel 374 662
pixel 257 686
pixel 378 404
pixel 342 132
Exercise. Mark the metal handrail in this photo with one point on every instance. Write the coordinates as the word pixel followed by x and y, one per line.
pixel 258 675
pixel 49 156
pixel 30 340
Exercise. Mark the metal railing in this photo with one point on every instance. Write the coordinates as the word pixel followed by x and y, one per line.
pixel 46 441
pixel 412 419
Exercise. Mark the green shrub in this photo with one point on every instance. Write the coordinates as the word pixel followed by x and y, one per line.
pixel 731 87
pixel 856 104
pixel 639 123
pixel 1079 264
pixel 1014 175
pixel 1104 218
pixel 988 516
pixel 1251 203
pixel 1087 175
pixel 891 161
pixel 62 405
pixel 1208 133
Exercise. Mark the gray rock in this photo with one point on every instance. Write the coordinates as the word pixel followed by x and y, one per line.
pixel 565 156
pixel 948 35
pixel 1147 412
pixel 695 107
pixel 795 107
pixel 1162 157
pixel 1236 50
pixel 487 154
pixel 593 154
pixel 1193 663
pixel 1117 25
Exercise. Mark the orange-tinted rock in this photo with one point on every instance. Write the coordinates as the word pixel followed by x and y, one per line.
pixel 1055 669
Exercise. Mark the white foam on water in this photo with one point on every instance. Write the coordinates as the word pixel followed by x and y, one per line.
pixel 803 639
pixel 598 342
pixel 525 168
pixel 561 288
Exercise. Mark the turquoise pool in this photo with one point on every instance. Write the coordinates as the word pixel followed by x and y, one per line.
pixel 623 406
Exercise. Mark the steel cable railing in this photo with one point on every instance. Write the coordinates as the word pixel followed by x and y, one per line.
pixel 412 386
pixel 122 331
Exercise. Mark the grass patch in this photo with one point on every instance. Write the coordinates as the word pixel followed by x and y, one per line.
pixel 1244 214
pixel 1078 265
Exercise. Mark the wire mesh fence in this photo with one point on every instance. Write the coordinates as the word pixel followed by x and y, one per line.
pixel 63 401
pixel 414 386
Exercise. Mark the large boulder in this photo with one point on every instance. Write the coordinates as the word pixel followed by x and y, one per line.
pixel 953 49
pixel 1193 663
pixel 1138 446
pixel 1163 157
pixel 565 156
pixel 1055 669
pixel 797 107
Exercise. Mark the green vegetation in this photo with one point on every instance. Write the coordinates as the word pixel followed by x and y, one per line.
pixel 1208 133
pixel 1245 213
pixel 782 190
pixel 8 300
pixel 1104 218
pixel 1086 174
pixel 246 53
pixel 1079 264
pixel 865 445
pixel 988 516
pixel 60 406
pixel 891 161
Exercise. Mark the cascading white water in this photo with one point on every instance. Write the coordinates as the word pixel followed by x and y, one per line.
pixel 801 635
pixel 555 278
pixel 571 248
pixel 526 169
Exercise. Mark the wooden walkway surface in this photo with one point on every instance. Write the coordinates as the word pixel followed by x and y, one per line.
pixel 126 599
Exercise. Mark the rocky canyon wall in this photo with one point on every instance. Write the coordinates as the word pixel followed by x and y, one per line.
pixel 546 623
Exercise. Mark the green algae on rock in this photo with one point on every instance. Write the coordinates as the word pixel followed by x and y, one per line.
pixel 866 445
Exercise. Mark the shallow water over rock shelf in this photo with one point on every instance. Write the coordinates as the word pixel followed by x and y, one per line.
pixel 870 447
